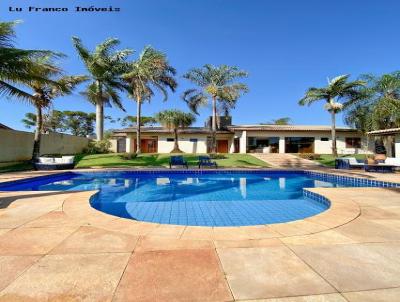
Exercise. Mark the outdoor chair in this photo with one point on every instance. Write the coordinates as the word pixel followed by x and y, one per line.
pixel 177 161
pixel 205 161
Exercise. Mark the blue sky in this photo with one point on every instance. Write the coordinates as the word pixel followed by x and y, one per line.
pixel 286 46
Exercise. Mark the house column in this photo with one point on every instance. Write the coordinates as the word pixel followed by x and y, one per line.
pixel 397 146
pixel 243 142
pixel 129 144
pixel 232 145
pixel 281 144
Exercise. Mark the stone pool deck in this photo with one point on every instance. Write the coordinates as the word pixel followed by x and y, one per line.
pixel 55 247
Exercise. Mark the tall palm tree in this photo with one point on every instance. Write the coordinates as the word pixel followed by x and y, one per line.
pixel 150 72
pixel 217 84
pixel 19 66
pixel 174 120
pixel 105 66
pixel 44 94
pixel 338 89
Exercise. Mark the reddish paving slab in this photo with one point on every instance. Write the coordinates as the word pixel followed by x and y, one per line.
pixel 178 275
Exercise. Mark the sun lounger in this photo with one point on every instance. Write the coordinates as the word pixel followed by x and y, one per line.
pixel 205 161
pixel 177 161
pixel 348 163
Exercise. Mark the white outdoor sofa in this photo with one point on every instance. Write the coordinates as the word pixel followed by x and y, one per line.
pixel 55 163
pixel 395 161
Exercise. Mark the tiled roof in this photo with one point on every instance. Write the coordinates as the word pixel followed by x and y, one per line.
pixel 198 130
pixel 230 129
pixel 385 131
pixel 288 128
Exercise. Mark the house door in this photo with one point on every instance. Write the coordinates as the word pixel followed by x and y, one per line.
pixel 222 146
pixel 236 145
pixel 121 145
pixel 148 145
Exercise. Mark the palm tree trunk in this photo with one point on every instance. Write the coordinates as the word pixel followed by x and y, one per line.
pixel 138 124
pixel 38 130
pixel 99 121
pixel 333 119
pixel 99 113
pixel 214 126
pixel 176 145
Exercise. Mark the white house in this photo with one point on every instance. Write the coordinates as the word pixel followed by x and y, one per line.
pixel 244 139
pixel 392 141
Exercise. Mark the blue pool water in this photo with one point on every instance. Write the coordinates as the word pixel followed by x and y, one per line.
pixel 199 199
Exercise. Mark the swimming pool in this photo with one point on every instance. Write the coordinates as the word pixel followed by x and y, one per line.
pixel 195 198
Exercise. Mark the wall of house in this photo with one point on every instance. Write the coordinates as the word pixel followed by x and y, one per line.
pixel 397 145
pixel 165 146
pixel 320 147
pixel 18 145
pixel 184 143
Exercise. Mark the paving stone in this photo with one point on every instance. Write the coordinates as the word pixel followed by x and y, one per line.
pixel 180 275
pixel 269 272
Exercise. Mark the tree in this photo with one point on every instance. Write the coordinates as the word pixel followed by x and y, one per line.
pixel 279 121
pixel 380 107
pixel 20 66
pixel 44 94
pixel 175 120
pixel 79 123
pixel 217 84
pixel 52 121
pixel 29 120
pixel 150 72
pixel 105 66
pixel 131 121
pixel 338 89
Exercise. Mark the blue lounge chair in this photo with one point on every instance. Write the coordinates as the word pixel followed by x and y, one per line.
pixel 177 161
pixel 205 161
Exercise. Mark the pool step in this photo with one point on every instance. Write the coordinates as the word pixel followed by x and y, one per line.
pixel 279 160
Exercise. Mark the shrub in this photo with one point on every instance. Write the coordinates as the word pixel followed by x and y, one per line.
pixel 310 156
pixel 217 156
pixel 98 147
pixel 128 156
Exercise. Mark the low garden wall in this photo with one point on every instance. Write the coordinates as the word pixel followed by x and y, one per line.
pixel 18 145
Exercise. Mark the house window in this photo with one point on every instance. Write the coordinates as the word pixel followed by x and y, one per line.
pixel 169 139
pixel 193 140
pixel 324 139
pixel 353 142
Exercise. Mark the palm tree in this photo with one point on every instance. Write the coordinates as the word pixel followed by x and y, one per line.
pixel 44 94
pixel 338 89
pixel 174 120
pixel 19 65
pixel 151 71
pixel 380 108
pixel 216 84
pixel 105 67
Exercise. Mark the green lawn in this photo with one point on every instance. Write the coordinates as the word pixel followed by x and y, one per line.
pixel 23 166
pixel 158 160
pixel 329 160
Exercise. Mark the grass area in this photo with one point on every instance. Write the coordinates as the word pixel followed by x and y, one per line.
pixel 23 166
pixel 329 160
pixel 158 160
